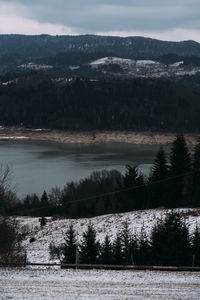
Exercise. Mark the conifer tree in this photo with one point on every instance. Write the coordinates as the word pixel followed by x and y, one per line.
pixel 106 252
pixel 44 199
pixel 179 165
pixel 144 253
pixel 196 246
pixel 69 247
pixel 194 187
pixel 170 242
pixel 134 198
pixel 125 238
pixel 158 191
pixel 89 249
pixel 134 251
pixel 117 251
pixel 42 221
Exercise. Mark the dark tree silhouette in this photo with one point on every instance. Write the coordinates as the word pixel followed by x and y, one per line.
pixel 126 240
pixel 69 247
pixel 89 249
pixel 144 253
pixel 133 198
pixel 180 165
pixel 11 251
pixel 106 256
pixel 196 246
pixel 170 242
pixel 117 251
pixel 194 183
pixel 158 192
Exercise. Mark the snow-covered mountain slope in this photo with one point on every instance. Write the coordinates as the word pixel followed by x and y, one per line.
pixel 112 60
pixel 143 68
pixel 55 229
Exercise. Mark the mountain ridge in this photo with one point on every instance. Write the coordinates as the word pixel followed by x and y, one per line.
pixel 11 43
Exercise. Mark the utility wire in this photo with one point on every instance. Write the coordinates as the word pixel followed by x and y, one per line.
pixel 118 191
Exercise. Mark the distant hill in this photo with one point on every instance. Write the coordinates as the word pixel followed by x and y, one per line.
pixel 72 55
pixel 130 47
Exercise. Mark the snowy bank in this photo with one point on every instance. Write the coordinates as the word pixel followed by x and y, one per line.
pixel 55 229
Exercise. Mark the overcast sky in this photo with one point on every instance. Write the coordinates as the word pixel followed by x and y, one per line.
pixel 162 19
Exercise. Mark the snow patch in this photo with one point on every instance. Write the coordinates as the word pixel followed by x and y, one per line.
pixel 13 137
pixel 111 60
pixel 55 230
pixel 177 64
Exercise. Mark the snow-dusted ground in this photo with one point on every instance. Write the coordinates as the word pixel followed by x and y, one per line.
pixel 55 229
pixel 147 68
pixel 47 284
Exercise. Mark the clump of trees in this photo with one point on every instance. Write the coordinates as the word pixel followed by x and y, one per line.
pixel 11 251
pixel 169 244
pixel 173 182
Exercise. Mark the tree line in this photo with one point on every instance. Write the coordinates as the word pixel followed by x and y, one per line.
pixel 173 182
pixel 36 100
pixel 169 244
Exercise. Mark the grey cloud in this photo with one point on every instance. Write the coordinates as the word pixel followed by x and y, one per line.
pixel 109 15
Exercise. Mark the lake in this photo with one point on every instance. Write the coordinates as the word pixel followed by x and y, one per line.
pixel 39 166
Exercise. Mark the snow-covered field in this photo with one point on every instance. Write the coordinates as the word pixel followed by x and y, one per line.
pixel 47 284
pixel 55 229
pixel 147 68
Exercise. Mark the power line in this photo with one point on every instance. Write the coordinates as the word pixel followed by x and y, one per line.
pixel 118 191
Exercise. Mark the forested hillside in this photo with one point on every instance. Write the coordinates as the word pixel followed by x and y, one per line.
pixel 36 100
pixel 46 45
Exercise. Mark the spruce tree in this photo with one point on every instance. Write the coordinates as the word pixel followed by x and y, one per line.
pixel 42 221
pixel 196 246
pixel 106 252
pixel 89 248
pixel 144 253
pixel 117 250
pixel 179 165
pixel 194 187
pixel 170 242
pixel 134 251
pixel 158 191
pixel 125 239
pixel 134 198
pixel 69 247
pixel 44 200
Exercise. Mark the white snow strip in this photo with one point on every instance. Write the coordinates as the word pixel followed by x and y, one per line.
pixel 147 62
pixel 13 137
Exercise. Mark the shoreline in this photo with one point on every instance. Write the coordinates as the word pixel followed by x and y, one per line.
pixel 93 137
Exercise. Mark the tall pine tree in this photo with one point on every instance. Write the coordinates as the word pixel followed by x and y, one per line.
pixel 180 164
pixel 117 250
pixel 158 192
pixel 125 239
pixel 89 248
pixel 170 242
pixel 194 186
pixel 106 257
pixel 134 197
pixel 69 247
pixel 196 246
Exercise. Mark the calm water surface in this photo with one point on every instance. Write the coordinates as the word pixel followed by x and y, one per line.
pixel 38 166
